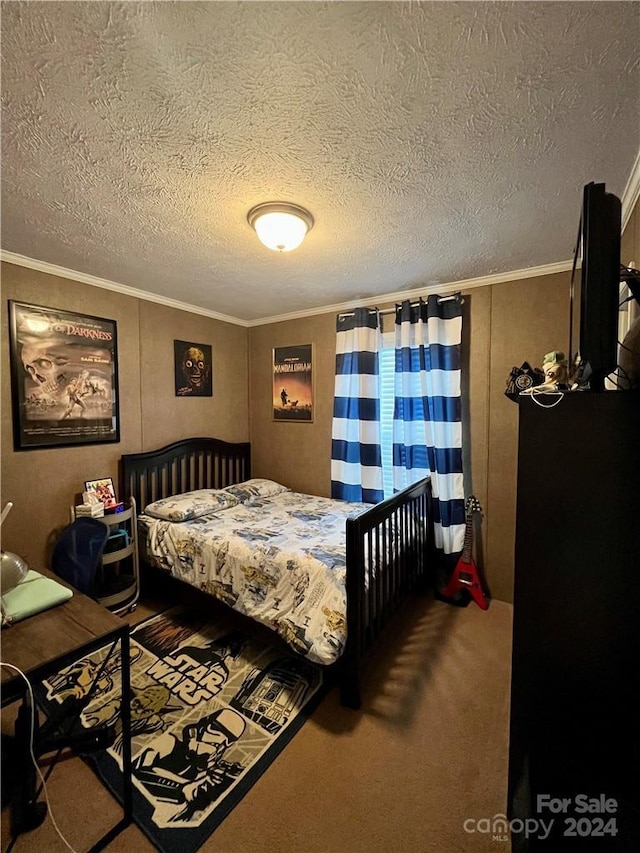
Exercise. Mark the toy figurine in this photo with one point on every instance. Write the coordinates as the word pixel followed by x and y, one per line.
pixel 556 372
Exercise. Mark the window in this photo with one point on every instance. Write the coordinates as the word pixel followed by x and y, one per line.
pixel 386 363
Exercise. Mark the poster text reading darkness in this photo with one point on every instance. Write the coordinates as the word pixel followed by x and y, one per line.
pixel 83 332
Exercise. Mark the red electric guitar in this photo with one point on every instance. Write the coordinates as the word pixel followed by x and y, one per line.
pixel 465 574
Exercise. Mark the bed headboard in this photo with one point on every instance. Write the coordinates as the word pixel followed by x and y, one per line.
pixel 193 463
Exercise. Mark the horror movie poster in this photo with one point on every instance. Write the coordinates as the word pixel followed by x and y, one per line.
pixel 64 373
pixel 192 364
pixel 292 383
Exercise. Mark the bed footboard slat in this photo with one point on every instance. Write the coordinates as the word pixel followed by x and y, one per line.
pixel 387 556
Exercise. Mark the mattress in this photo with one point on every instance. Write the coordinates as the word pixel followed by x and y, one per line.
pixel 279 560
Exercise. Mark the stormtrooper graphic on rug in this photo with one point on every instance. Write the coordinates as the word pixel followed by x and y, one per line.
pixel 191 770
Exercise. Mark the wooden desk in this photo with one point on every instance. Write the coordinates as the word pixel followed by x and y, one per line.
pixel 42 644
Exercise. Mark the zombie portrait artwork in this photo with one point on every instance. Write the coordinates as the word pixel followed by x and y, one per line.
pixel 64 373
pixel 193 369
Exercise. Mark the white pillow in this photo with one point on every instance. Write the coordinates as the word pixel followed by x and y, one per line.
pixel 255 488
pixel 191 505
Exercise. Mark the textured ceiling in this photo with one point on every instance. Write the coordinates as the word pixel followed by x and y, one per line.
pixel 433 142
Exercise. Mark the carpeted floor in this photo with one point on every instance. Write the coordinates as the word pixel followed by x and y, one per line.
pixel 428 749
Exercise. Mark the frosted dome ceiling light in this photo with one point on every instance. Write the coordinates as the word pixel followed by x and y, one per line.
pixel 281 226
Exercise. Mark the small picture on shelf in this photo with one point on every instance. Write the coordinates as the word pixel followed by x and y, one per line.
pixel 104 491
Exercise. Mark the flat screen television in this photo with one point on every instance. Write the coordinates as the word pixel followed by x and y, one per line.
pixel 594 310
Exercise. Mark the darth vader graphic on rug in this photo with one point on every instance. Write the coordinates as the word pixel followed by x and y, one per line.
pixel 191 769
pixel 198 673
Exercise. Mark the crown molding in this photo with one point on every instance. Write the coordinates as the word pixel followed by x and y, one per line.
pixel 415 293
pixel 425 290
pixel 631 193
pixel 106 284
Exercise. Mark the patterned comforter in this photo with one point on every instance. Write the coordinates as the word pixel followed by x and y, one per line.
pixel 278 559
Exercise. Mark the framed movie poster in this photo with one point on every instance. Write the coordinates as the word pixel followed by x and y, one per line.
pixel 64 377
pixel 192 364
pixel 293 383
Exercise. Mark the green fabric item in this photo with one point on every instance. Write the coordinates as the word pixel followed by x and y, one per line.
pixel 32 595
pixel 552 357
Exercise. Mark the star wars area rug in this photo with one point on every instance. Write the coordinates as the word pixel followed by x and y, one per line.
pixel 211 708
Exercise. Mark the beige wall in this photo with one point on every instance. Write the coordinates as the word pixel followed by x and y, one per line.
pixel 528 319
pixel 503 325
pixel 167 418
pixel 297 454
pixel 43 483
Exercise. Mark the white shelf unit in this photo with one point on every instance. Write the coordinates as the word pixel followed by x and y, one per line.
pixel 122 587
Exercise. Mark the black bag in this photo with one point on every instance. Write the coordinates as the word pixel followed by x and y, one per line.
pixel 522 378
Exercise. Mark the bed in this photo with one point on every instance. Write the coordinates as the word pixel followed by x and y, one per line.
pixel 326 575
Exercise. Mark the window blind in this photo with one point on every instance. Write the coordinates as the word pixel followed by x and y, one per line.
pixel 387 371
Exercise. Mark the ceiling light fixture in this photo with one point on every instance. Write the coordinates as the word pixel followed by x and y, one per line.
pixel 280 225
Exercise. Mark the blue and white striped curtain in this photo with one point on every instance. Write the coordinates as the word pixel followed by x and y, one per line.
pixel 427 424
pixel 356 459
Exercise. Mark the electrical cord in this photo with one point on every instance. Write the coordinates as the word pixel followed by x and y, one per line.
pixel 32 754
pixel 534 393
pixel 558 394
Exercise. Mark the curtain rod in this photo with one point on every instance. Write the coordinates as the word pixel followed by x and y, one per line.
pixel 413 305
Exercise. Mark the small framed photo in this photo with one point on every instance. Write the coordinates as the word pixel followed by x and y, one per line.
pixel 103 489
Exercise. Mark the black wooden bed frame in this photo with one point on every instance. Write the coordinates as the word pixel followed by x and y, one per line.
pixel 387 547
